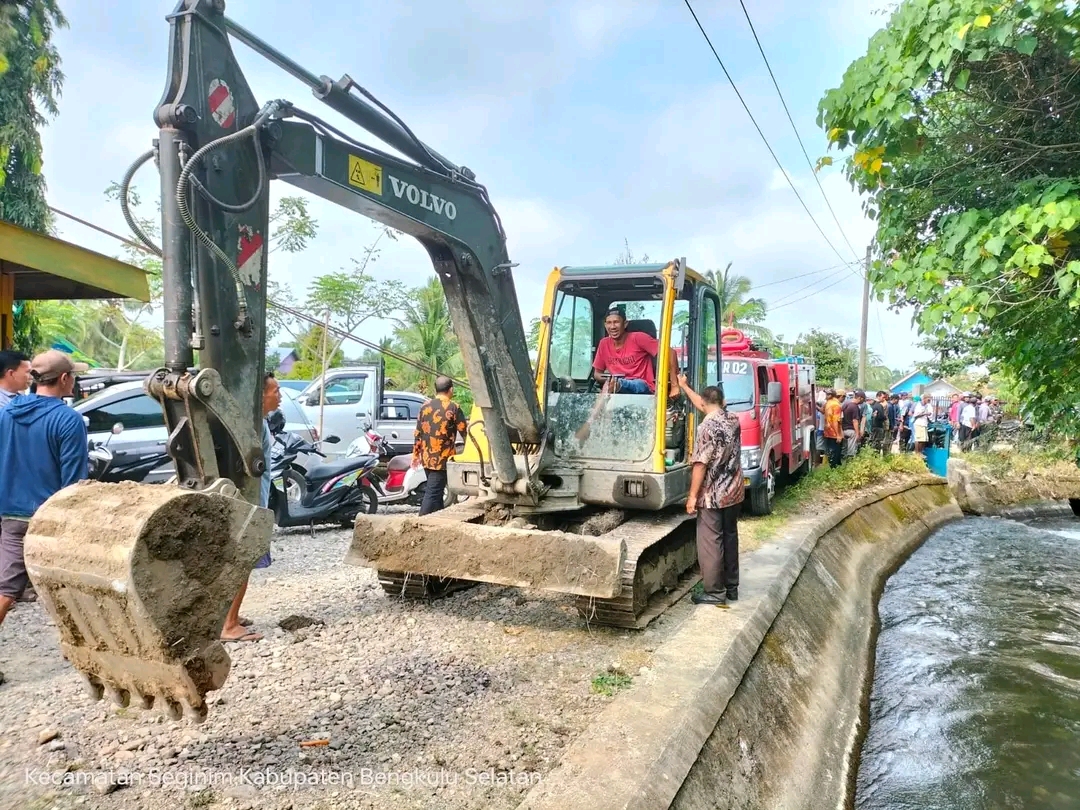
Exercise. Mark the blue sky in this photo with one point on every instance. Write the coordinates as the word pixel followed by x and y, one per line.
pixel 589 122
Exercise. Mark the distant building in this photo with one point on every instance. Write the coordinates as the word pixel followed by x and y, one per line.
pixel 930 387
pixel 287 357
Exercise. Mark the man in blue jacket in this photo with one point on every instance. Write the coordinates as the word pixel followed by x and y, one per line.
pixel 43 448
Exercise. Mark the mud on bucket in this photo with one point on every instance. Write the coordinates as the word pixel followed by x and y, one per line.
pixel 138 579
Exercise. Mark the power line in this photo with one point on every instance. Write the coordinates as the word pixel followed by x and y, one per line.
pixel 784 300
pixel 801 275
pixel 881 331
pixel 295 313
pixel 811 295
pixel 795 129
pixel 762 134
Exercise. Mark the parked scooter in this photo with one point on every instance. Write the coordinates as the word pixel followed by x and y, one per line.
pixel 115 467
pixel 335 492
pixel 403 484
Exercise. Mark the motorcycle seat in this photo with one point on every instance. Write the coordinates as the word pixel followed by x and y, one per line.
pixel 402 462
pixel 330 469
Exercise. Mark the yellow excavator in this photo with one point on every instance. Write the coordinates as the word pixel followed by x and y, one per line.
pixel 575 489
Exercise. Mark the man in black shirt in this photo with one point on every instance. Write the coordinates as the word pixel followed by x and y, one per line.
pixel 879 424
pixel 851 423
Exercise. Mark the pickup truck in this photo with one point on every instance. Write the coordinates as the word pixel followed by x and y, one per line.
pixel 352 397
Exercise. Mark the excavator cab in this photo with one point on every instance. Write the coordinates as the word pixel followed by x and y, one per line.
pixel 626 450
pixel 616 467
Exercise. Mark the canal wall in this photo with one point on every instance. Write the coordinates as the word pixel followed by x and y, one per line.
pixel 1029 495
pixel 758 706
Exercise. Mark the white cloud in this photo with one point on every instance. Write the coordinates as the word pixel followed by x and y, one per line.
pixel 579 145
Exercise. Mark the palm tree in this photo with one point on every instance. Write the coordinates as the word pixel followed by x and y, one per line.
pixel 738 308
pixel 425 334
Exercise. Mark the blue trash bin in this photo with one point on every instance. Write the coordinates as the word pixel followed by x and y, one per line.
pixel 937 448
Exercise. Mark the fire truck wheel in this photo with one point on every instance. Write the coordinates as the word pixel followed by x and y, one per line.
pixel 761 497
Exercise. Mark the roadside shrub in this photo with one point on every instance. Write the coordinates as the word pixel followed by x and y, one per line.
pixel 866 469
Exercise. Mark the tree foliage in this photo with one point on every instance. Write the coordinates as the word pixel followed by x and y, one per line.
pixel 738 308
pixel 425 333
pixel 963 128
pixel 836 357
pixel 30 83
pixel 309 351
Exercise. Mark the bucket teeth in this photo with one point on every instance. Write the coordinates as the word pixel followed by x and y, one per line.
pixel 138 579
pixel 93 687
pixel 121 697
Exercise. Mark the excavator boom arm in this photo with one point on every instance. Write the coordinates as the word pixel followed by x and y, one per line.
pixel 217 150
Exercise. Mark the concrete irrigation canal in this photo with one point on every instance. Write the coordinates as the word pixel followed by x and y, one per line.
pixel 501 698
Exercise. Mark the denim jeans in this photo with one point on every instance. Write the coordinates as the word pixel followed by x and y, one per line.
pixel 434 491
pixel 629 386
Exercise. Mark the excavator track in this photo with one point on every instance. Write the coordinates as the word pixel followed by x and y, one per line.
pixel 138 579
pixel 420 586
pixel 660 569
pixel 657 569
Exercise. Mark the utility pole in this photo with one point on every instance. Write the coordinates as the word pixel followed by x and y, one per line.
pixel 865 319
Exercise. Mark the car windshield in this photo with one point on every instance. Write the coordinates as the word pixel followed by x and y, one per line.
pixel 738 380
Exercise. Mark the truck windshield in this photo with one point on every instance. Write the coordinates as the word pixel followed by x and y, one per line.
pixel 738 380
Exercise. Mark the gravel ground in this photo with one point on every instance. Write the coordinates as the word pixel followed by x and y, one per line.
pixel 461 703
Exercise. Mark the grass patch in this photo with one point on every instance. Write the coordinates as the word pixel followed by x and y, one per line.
pixel 1052 461
pixel 826 485
pixel 204 798
pixel 610 682
pixel 866 469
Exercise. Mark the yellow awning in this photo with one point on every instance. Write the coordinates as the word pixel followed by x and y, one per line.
pixel 43 268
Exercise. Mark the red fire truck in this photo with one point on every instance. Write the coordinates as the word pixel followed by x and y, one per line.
pixel 774 398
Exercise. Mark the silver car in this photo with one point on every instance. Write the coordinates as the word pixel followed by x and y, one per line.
pixel 144 429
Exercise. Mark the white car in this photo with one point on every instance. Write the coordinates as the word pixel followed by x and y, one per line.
pixel 144 429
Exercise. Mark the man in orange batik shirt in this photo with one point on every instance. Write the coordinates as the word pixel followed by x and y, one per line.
pixel 437 428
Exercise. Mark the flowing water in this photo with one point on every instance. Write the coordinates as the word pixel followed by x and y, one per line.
pixel 976 697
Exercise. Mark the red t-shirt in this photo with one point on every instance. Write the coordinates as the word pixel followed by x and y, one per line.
pixel 632 359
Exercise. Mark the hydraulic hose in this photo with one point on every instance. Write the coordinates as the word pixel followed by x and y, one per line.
pixel 129 218
pixel 186 180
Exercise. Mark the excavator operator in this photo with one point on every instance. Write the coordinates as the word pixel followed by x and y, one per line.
pixel 625 358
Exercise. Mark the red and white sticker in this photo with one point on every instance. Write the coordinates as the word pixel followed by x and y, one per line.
pixel 222 105
pixel 249 256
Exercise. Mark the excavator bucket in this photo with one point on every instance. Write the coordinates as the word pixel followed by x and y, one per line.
pixel 138 579
pixel 456 544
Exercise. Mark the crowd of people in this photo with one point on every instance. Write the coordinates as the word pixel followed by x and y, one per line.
pixel 847 422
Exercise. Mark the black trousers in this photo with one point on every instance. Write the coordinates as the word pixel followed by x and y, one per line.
pixel 434 491
pixel 834 449
pixel 718 547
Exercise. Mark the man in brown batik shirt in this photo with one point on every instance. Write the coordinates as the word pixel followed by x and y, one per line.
pixel 716 495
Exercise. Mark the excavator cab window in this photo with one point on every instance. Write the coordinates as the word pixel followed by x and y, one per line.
pixel 619 427
pixel 571 351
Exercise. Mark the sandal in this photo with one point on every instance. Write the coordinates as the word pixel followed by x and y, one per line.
pixel 245 637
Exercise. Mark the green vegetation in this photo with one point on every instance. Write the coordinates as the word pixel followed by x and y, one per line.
pixel 962 127
pixel 866 469
pixel 1055 460
pixel 201 799
pixel 30 83
pixel 610 682
pixel 828 484
pixel 837 358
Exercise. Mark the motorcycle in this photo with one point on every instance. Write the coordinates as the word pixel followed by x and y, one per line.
pixel 403 484
pixel 335 492
pixel 115 467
